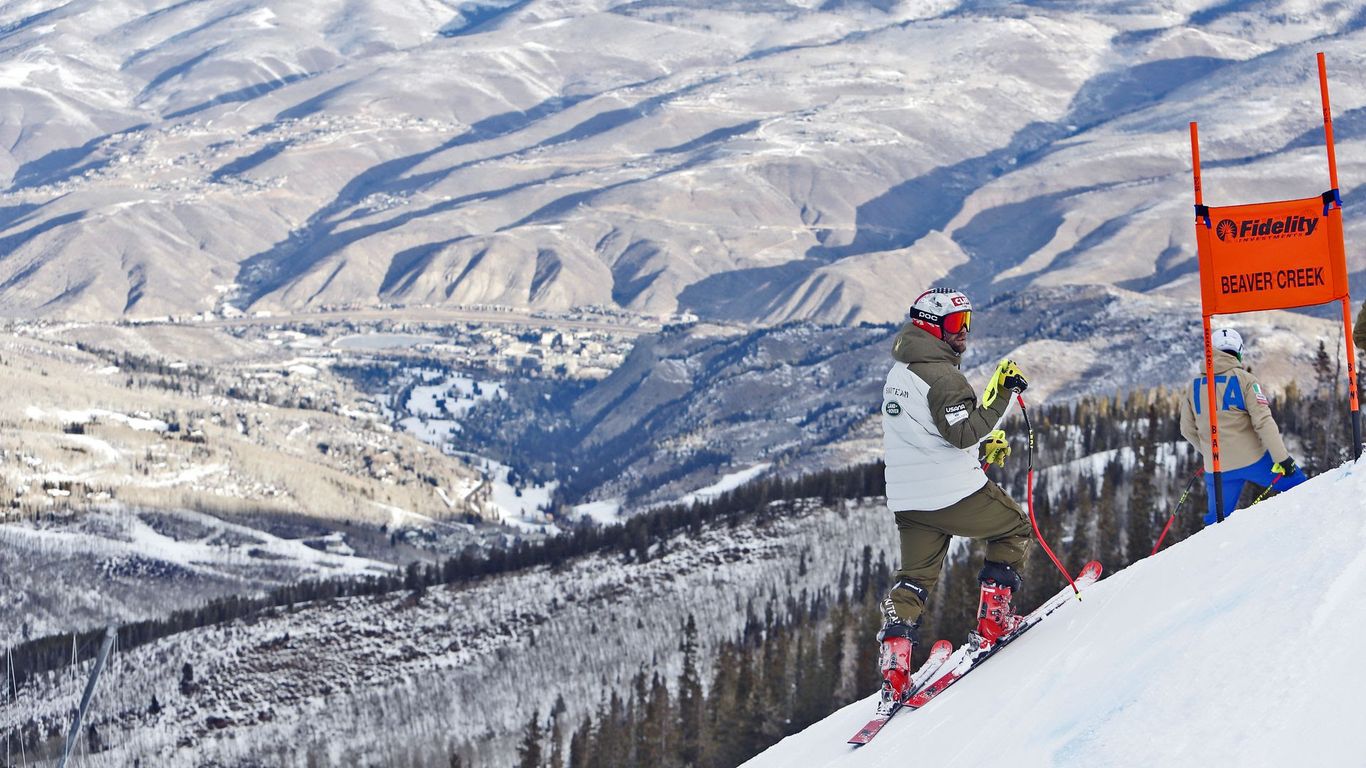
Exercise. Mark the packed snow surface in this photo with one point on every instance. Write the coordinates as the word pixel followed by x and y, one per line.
pixel 1232 648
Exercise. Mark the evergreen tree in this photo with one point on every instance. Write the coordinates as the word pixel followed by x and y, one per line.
pixel 866 620
pixel 657 741
pixel 690 701
pixel 805 690
pixel 725 707
pixel 829 660
pixel 745 726
pixel 580 745
pixel 1141 531
pixel 1325 372
pixel 187 684
pixel 557 733
pixel 612 743
pixel 771 697
pixel 1087 520
pixel 1108 521
pixel 529 751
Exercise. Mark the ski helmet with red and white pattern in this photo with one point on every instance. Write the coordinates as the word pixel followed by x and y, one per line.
pixel 941 309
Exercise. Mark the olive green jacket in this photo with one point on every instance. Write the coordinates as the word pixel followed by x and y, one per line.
pixel 931 424
pixel 935 362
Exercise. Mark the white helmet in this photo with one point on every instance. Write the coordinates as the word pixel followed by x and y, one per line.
pixel 1229 341
pixel 931 307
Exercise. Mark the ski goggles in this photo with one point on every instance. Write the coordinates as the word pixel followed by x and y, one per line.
pixel 957 322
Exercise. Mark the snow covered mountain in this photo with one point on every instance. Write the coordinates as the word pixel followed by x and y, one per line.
pixel 401 678
pixel 800 397
pixel 802 159
pixel 1223 650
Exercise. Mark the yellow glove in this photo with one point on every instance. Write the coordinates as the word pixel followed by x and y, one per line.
pixel 996 447
pixel 1006 377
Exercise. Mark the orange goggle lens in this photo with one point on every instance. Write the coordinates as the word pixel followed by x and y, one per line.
pixel 957 322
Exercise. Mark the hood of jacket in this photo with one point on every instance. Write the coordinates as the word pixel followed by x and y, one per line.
pixel 1224 362
pixel 914 345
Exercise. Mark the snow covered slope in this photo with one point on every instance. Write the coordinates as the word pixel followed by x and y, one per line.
pixel 1236 647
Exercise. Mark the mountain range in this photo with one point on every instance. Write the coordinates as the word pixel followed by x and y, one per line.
pixel 755 162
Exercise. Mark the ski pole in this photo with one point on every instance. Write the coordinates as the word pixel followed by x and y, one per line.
pixel 1029 498
pixel 1263 494
pixel 1184 494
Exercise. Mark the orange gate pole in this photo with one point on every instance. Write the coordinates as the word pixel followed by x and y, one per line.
pixel 1346 300
pixel 1210 389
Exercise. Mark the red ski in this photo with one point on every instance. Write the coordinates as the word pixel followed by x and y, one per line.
pixel 939 653
pixel 969 656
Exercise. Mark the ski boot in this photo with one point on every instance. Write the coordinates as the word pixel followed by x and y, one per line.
pixel 897 641
pixel 995 617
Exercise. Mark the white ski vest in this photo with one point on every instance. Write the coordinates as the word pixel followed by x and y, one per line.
pixel 924 471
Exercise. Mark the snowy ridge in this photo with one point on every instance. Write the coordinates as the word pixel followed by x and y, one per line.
pixel 119 565
pixel 392 679
pixel 1226 649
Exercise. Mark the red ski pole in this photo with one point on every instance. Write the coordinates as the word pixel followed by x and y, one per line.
pixel 1029 498
pixel 1189 484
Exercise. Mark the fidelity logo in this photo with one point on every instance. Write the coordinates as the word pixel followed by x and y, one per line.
pixel 1266 229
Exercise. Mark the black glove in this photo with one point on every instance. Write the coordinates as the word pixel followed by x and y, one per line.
pixel 1286 466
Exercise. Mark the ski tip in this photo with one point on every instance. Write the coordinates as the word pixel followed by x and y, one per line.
pixel 868 731
pixel 1088 575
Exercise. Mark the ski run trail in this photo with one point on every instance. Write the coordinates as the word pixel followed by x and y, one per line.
pixel 1240 646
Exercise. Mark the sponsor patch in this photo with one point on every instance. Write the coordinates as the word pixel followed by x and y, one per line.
pixel 1261 398
pixel 892 408
pixel 956 413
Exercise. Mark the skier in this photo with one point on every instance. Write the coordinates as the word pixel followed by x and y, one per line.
pixel 1250 445
pixel 932 424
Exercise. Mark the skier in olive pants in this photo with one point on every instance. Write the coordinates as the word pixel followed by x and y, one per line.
pixel 986 514
pixel 932 424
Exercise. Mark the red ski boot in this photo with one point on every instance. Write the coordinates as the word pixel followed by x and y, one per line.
pixel 897 641
pixel 894 661
pixel 995 617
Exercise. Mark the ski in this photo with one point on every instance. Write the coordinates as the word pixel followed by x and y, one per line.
pixel 939 653
pixel 969 656
pixel 974 655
